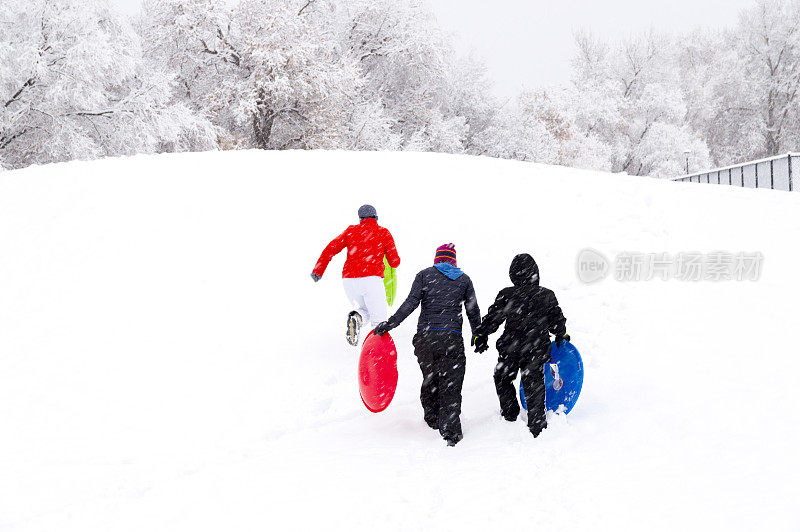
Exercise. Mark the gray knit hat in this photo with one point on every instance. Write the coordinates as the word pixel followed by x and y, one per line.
pixel 367 211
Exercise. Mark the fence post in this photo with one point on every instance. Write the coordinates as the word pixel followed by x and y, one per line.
pixel 756 165
pixel 771 176
pixel 730 178
pixel 790 171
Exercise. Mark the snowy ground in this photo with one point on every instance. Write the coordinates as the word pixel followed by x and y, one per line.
pixel 166 363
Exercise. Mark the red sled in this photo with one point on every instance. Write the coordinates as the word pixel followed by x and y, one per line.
pixel 377 372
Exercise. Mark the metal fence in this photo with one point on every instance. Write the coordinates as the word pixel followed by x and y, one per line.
pixel 774 172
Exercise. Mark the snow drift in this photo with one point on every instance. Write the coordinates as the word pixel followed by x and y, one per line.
pixel 166 363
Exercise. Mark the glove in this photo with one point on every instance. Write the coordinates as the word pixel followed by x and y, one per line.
pixel 561 339
pixel 316 277
pixel 382 328
pixel 481 343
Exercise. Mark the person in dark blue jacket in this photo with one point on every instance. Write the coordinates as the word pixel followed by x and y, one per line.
pixel 438 344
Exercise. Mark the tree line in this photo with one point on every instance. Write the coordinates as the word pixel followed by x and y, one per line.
pixel 78 81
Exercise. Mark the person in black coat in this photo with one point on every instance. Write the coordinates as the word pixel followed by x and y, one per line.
pixel 438 344
pixel 531 313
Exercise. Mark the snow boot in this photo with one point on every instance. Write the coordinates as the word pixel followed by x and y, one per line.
pixel 510 417
pixel 353 327
pixel 453 440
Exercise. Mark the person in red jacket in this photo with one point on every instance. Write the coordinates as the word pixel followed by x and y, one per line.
pixel 367 243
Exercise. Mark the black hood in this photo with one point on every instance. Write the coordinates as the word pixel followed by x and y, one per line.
pixel 524 270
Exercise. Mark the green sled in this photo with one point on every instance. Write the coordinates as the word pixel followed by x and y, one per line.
pixel 389 281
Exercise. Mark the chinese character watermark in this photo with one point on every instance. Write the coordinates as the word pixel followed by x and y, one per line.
pixel 691 266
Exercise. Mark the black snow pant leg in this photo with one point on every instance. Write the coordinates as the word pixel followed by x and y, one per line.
pixel 504 374
pixel 533 384
pixel 452 367
pixel 429 391
pixel 441 358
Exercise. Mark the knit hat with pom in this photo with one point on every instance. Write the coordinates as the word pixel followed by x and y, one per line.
pixel 446 253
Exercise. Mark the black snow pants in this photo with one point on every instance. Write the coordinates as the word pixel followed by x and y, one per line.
pixel 441 358
pixel 530 360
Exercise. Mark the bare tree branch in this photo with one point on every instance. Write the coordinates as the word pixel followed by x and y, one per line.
pixel 304 7
pixel 30 83
pixel 5 141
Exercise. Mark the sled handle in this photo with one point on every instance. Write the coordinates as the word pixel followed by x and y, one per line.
pixel 558 382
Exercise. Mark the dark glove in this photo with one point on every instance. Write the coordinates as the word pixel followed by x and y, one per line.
pixel 561 339
pixel 481 342
pixel 382 328
pixel 316 277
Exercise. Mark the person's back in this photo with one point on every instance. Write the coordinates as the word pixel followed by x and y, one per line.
pixel 440 290
pixel 366 243
pixel 531 312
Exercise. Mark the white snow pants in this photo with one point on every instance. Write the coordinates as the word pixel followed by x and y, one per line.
pixel 368 296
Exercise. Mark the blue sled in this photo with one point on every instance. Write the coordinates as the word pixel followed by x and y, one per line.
pixel 561 386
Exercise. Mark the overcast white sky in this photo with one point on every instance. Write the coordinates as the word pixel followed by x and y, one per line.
pixel 528 43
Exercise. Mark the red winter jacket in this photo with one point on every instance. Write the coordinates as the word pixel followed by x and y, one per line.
pixel 366 245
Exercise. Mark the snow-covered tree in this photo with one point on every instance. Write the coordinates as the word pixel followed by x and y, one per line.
pixel 470 97
pixel 740 84
pixel 435 102
pixel 515 135
pixel 629 99
pixel 73 85
pixel 525 131
pixel 703 60
pixel 765 102
pixel 266 72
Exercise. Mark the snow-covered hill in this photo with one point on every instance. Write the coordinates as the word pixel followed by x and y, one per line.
pixel 166 363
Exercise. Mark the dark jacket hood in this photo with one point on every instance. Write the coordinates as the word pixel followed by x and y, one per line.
pixel 524 270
